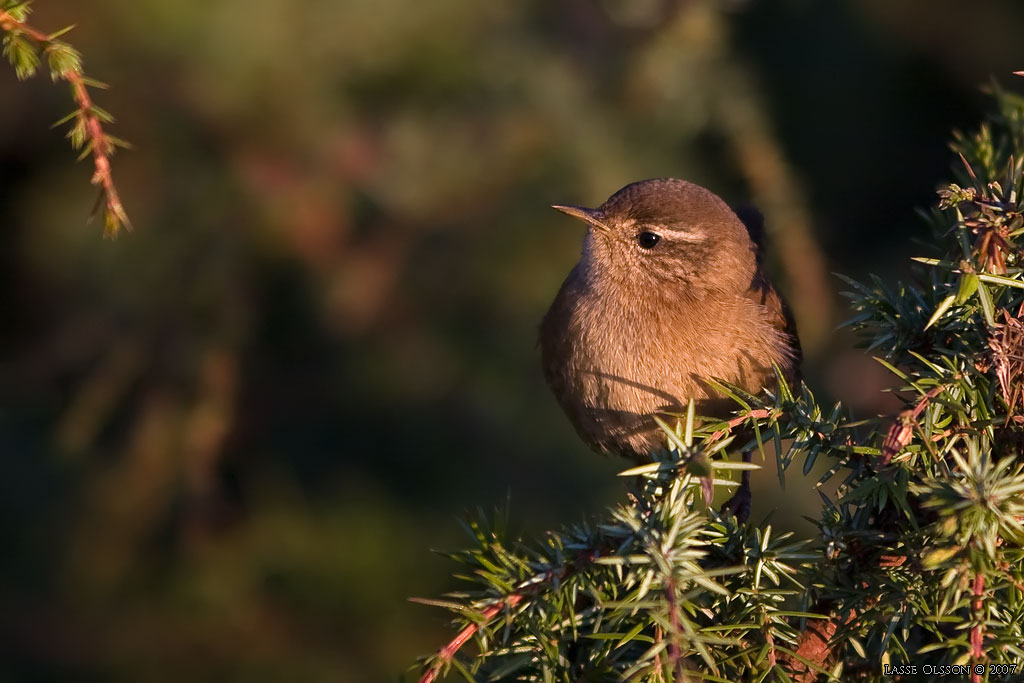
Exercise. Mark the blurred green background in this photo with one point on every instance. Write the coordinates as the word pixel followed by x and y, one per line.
pixel 231 438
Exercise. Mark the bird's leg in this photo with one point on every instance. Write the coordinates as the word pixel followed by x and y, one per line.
pixel 739 504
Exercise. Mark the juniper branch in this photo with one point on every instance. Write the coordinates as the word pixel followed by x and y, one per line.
pixel 23 44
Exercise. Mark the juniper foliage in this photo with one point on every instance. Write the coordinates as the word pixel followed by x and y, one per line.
pixel 918 560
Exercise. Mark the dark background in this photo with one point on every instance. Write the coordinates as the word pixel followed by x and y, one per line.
pixel 231 438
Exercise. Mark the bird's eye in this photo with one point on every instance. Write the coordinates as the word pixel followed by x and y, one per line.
pixel 648 240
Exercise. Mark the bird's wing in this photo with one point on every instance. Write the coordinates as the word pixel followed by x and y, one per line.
pixel 780 316
pixel 761 288
pixel 754 221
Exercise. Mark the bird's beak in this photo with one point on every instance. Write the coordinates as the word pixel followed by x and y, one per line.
pixel 592 217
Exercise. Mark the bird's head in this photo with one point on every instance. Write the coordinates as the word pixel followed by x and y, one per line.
pixel 666 232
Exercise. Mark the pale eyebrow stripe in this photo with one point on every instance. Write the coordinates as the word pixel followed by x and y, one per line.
pixel 683 235
pixel 679 234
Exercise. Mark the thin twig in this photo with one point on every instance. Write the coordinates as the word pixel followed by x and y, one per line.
pixel 902 430
pixel 769 639
pixel 657 656
pixel 978 630
pixel 101 149
pixel 448 652
pixel 100 144
pixel 759 414
pixel 675 654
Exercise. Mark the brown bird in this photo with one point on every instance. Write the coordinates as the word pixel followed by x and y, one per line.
pixel 669 291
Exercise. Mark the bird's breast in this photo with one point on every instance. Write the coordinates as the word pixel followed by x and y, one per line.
pixel 613 363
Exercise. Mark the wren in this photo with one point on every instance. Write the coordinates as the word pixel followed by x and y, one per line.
pixel 668 292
